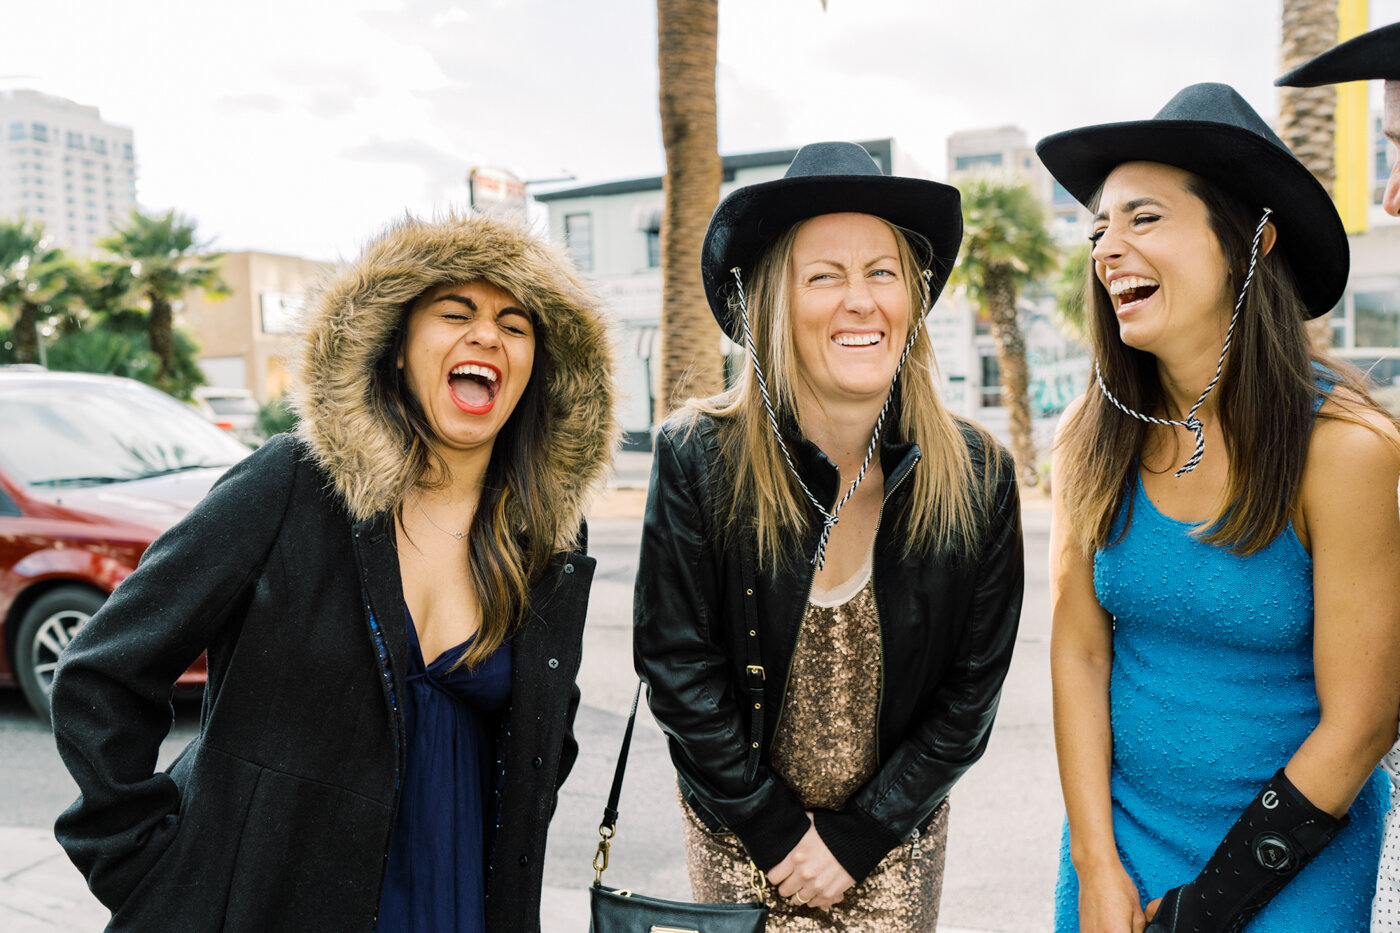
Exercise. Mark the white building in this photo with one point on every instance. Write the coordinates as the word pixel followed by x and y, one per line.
pixel 65 167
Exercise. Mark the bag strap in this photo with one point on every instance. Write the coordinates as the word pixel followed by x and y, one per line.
pixel 754 676
pixel 608 827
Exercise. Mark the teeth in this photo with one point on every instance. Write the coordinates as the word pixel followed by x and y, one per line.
pixel 471 369
pixel 1128 282
pixel 857 340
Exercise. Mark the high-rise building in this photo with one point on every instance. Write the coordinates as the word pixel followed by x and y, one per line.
pixel 62 165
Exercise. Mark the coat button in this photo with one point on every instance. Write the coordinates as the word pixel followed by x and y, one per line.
pixel 568 568
pixel 553 663
pixel 524 860
pixel 537 762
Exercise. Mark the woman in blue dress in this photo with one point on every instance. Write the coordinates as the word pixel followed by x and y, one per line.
pixel 1225 554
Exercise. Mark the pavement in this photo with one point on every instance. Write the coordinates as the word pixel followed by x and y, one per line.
pixel 41 891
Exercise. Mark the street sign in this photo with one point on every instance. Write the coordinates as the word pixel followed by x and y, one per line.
pixel 496 191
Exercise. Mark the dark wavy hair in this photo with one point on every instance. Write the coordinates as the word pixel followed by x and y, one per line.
pixel 1271 383
pixel 514 528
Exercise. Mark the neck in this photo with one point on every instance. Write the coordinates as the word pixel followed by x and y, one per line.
pixel 841 431
pixel 461 481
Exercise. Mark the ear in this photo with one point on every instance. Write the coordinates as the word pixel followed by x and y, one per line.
pixel 1266 242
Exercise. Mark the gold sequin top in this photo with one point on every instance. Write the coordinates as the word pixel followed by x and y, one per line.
pixel 825 743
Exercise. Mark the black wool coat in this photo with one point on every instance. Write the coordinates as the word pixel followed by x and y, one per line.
pixel 277 816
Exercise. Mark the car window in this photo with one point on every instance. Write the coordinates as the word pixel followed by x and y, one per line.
pixel 102 433
pixel 8 507
pixel 232 405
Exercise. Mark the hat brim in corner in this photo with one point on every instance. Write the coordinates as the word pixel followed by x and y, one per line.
pixel 751 218
pixel 1371 56
pixel 1310 233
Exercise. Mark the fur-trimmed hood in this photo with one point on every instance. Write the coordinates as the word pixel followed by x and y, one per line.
pixel 353 319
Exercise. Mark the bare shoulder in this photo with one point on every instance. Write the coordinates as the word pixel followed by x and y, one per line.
pixel 1068 416
pixel 1354 441
pixel 1351 432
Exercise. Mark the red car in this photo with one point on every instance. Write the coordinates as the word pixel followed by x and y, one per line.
pixel 92 469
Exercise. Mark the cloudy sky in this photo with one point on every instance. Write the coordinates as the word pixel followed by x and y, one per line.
pixel 299 126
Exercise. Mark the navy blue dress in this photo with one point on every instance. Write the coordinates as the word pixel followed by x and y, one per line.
pixel 435 881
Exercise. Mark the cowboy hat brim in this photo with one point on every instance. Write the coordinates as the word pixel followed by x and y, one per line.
pixel 752 217
pixel 1238 160
pixel 1371 56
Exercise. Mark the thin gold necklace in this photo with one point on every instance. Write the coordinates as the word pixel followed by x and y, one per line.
pixel 459 535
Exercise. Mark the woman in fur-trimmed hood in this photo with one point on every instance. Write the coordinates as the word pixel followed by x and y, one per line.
pixel 457 401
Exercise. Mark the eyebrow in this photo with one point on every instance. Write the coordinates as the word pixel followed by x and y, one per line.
pixel 1132 205
pixel 832 262
pixel 471 305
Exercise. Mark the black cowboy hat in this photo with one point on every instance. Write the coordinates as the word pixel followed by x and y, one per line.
pixel 1210 131
pixel 824 178
pixel 1373 55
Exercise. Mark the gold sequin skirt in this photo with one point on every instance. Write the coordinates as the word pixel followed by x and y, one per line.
pixel 900 896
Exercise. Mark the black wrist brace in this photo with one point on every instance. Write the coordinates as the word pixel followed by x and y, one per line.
pixel 1278 833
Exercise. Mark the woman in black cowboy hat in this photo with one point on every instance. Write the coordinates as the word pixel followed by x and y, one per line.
pixel 1225 552
pixel 831 570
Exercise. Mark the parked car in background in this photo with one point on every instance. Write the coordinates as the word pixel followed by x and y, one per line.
pixel 92 469
pixel 234 410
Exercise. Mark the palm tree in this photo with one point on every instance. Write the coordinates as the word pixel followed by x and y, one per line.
pixel 1005 247
pixel 1070 289
pixel 686 51
pixel 1307 115
pixel 38 282
pixel 161 259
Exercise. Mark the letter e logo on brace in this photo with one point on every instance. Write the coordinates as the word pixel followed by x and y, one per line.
pixel 1269 800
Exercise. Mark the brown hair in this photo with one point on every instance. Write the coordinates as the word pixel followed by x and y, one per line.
pixel 945 514
pixel 514 529
pixel 1267 395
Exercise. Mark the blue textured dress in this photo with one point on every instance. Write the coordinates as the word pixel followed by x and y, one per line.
pixel 435 881
pixel 1211 692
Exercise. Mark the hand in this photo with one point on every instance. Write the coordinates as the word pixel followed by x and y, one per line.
pixel 810 874
pixel 1151 909
pixel 1108 902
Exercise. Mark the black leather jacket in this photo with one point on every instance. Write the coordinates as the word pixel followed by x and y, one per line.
pixel 947 631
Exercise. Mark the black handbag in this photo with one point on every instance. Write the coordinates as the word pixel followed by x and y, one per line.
pixel 615 910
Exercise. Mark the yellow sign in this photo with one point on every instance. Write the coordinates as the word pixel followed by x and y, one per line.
pixel 1352 190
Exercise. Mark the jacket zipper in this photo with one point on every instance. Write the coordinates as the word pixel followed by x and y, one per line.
pixel 880 700
pixel 386 671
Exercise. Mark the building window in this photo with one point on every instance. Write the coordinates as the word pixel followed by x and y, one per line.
pixel 981 160
pixel 578 240
pixel 126 152
pixel 991 381
pixel 74 140
pixel 39 132
pixel 97 145
pixel 653 249
pixel 1377 317
pixel 17 130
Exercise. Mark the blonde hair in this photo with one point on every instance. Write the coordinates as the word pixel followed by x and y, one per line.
pixel 946 513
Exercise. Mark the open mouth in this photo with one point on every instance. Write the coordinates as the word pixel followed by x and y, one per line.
pixel 474 386
pixel 858 340
pixel 1132 289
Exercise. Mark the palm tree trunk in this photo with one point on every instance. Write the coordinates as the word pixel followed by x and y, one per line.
pixel 162 336
pixel 999 290
pixel 24 336
pixel 1307 115
pixel 691 363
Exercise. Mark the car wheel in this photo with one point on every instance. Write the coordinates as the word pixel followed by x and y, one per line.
pixel 44 632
